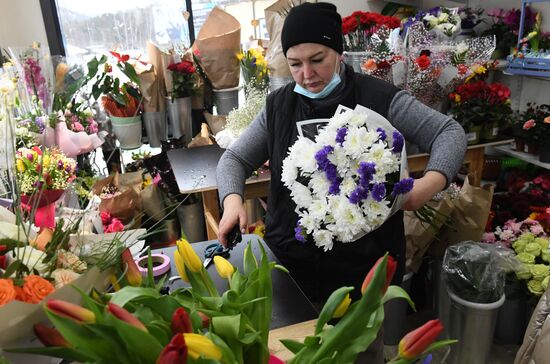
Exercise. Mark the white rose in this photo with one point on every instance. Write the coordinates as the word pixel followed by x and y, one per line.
pixel 32 258
pixel 63 277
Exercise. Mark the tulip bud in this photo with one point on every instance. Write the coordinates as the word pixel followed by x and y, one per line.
pixel 133 275
pixel 391 266
pixel 123 315
pixel 70 310
pixel 175 352
pixel 415 342
pixel 49 336
pixel 342 307
pixel 224 268
pixel 181 322
pixel 180 266
pixel 205 319
pixel 199 345
pixel 190 258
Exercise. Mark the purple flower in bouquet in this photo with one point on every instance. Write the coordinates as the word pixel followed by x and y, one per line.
pixel 358 195
pixel 341 135
pixel 40 123
pixel 398 142
pixel 378 192
pixel 402 187
pixel 35 81
pixel 299 233
pixel 366 172
pixel 382 134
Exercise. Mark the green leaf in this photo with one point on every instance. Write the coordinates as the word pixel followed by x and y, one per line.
pixel 56 352
pixel 12 268
pixel 330 307
pixel 281 268
pixel 129 71
pixel 108 334
pixel 144 345
pixel 398 292
pixel 292 345
pixel 249 262
pixel 93 66
pixel 164 306
pixel 227 352
pixel 439 344
pixel 228 326
pixel 119 98
pixel 128 294
pixel 161 331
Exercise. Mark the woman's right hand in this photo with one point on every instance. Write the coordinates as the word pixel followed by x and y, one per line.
pixel 234 213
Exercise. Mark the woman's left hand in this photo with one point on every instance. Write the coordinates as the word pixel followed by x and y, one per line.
pixel 424 190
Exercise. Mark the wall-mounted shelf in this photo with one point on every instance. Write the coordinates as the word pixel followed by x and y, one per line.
pixel 529 158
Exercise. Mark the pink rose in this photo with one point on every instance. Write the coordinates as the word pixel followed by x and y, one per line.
pixel 537 229
pixel 489 238
pixel 529 124
pixel 77 126
pixel 115 226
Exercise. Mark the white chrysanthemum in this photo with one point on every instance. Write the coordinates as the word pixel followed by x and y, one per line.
pixel 290 172
pixel 301 195
pixel 319 184
pixel 318 209
pixel 350 216
pixel 353 145
pixel 357 120
pixel 340 159
pixel 307 160
pixel 340 120
pixel 375 210
pixel 348 185
pixel 308 222
pixel 323 239
pixel 327 136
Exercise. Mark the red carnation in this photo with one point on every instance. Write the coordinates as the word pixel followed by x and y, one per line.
pixel 423 62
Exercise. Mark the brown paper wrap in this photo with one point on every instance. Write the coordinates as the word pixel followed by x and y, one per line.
pixel 216 123
pixel 203 138
pixel 147 84
pixel 419 235
pixel 218 42
pixel 153 202
pixel 468 218
pixel 274 19
pixel 127 205
pixel 158 59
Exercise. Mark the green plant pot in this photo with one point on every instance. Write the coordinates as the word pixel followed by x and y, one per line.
pixel 473 134
pixel 489 131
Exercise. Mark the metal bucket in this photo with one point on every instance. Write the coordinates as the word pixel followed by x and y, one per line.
pixel 179 113
pixel 226 100
pixel 395 312
pixel 513 318
pixel 277 82
pixel 355 59
pixel 473 324
pixel 191 218
pixel 441 300
pixel 155 125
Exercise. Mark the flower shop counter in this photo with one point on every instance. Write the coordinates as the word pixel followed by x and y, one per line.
pixel 195 171
pixel 290 305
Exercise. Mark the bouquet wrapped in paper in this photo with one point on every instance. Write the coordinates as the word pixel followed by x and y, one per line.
pixel 348 179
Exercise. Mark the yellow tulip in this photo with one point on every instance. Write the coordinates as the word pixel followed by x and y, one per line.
pixel 342 307
pixel 224 268
pixel 180 266
pixel 45 161
pixel 199 345
pixel 20 166
pixel 240 56
pixel 189 257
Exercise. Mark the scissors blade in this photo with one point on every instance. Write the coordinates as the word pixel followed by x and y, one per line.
pixel 207 262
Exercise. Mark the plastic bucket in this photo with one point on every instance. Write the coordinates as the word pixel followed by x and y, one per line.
pixel 473 324
pixel 277 82
pixel 395 312
pixel 179 112
pixel 355 59
pixel 226 100
pixel 127 131
pixel 155 125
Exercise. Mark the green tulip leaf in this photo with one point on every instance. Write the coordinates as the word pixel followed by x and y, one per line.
pixel 249 262
pixel 330 307
pixel 228 326
pixel 142 344
pixel 398 292
pixel 108 334
pixel 161 331
pixel 227 352
pixel 163 306
pixel 281 268
pixel 128 294
pixel 292 345
pixel 439 344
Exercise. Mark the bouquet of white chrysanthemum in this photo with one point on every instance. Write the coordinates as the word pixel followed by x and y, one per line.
pixel 347 180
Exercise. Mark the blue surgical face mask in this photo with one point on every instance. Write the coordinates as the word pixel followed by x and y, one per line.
pixel 335 81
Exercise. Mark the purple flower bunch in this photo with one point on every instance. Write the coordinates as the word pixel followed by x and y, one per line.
pixel 329 168
pixel 35 81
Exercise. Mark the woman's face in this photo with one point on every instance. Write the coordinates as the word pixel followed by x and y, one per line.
pixel 312 65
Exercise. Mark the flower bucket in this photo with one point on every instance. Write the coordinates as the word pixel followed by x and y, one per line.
pixel 544 154
pixel 355 59
pixel 489 131
pixel 513 317
pixel 155 125
pixel 396 311
pixel 519 144
pixel 474 325
pixel 278 82
pixel 127 131
pixel 226 100
pixel 473 134
pixel 179 114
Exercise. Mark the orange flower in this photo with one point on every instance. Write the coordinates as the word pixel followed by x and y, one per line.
pixel 36 288
pixel 7 291
pixel 370 65
pixel 42 239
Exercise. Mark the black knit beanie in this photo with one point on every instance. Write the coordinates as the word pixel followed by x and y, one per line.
pixel 313 23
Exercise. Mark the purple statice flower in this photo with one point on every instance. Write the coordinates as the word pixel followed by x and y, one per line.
pixel 366 171
pixel 358 195
pixel 299 233
pixel 324 164
pixel 398 141
pixel 334 187
pixel 403 186
pixel 322 157
pixel 341 135
pixel 378 192
pixel 382 134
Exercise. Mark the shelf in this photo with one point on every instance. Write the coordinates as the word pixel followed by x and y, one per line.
pixel 530 158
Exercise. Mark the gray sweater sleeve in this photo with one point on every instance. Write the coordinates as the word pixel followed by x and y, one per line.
pixel 242 158
pixel 439 135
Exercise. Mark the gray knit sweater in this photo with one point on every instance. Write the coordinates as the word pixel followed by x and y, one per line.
pixel 439 135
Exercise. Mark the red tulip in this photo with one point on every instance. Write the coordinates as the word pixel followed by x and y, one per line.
pixel 181 322
pixel 49 336
pixel 415 342
pixel 175 352
pixel 391 266
pixel 205 320
pixel 123 315
pixel 70 310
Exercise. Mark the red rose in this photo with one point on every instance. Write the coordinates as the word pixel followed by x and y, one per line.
pixel 423 62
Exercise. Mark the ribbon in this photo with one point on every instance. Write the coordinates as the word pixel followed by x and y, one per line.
pixel 161 264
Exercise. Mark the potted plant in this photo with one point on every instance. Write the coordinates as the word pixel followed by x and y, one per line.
pixel 122 100
pixel 541 131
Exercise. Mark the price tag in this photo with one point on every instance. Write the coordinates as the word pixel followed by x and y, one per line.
pixel 471 136
pixel 495 131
